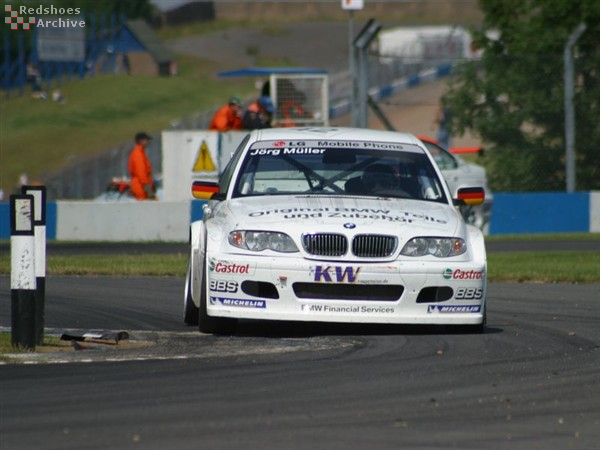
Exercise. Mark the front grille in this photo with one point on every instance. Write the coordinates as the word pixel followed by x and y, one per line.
pixel 373 245
pixel 325 244
pixel 340 291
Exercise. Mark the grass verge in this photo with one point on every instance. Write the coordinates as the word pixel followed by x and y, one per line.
pixel 101 112
pixel 157 265
pixel 51 343
pixel 543 267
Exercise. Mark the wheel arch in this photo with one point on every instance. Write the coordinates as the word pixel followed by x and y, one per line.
pixel 197 260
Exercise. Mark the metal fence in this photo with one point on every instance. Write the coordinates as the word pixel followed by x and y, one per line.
pixel 21 49
pixel 89 178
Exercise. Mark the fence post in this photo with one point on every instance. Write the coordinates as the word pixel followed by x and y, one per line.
pixel 569 108
pixel 39 230
pixel 22 273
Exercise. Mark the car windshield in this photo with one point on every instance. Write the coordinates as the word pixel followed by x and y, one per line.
pixel 338 168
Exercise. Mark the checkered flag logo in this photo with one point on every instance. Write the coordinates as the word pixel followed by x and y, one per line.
pixel 14 20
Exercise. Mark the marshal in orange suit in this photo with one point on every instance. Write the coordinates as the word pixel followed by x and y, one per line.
pixel 142 184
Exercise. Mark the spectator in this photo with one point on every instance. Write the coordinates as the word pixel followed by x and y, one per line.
pixel 258 114
pixel 292 109
pixel 142 184
pixel 58 96
pixel 228 117
pixel 35 79
pixel 442 120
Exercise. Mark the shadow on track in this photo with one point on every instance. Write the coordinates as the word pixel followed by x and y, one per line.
pixel 272 329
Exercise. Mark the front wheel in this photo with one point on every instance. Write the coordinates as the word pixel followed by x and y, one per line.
pixel 210 324
pixel 472 329
pixel 190 310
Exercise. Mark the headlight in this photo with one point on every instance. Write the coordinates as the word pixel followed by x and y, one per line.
pixel 436 246
pixel 257 241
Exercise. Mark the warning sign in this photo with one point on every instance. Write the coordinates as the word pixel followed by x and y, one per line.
pixel 204 161
pixel 192 155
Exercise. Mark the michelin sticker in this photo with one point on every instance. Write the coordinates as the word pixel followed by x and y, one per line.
pixel 237 302
pixel 455 309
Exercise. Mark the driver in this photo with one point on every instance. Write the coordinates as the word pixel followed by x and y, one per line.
pixel 379 177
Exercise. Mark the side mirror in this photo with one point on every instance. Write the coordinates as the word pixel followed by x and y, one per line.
pixel 205 190
pixel 470 196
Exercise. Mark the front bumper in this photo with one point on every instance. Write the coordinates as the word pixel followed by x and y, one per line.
pixel 402 292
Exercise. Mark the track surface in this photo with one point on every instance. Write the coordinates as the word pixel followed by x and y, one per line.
pixel 531 381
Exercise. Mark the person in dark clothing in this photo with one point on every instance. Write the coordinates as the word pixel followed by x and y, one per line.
pixel 35 79
pixel 442 120
pixel 258 114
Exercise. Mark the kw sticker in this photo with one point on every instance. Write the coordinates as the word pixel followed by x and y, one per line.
pixel 331 274
pixel 204 161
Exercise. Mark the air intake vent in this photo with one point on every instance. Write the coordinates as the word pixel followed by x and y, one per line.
pixel 325 244
pixel 435 294
pixel 373 245
pixel 342 291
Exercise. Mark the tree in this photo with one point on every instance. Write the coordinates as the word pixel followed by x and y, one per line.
pixel 513 96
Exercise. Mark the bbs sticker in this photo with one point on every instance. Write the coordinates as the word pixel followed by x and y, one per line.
pixel 468 293
pixel 223 286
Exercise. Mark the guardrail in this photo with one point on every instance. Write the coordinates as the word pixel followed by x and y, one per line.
pixel 513 213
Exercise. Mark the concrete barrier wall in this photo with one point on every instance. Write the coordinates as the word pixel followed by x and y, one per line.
pixel 140 221
pixel 595 212
pixel 513 213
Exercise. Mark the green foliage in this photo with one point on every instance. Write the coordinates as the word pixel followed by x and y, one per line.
pixel 513 97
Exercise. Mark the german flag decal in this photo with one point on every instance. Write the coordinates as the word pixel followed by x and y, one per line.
pixel 471 196
pixel 204 190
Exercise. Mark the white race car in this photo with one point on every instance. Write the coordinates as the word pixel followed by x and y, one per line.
pixel 334 225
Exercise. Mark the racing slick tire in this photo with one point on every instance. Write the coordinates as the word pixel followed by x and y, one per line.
pixel 190 311
pixel 472 329
pixel 209 324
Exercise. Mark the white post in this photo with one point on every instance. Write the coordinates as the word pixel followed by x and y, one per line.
pixel 22 271
pixel 39 225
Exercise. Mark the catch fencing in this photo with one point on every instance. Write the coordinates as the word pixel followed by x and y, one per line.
pixel 23 48
pixel 89 178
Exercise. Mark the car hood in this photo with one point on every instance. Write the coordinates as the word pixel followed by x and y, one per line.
pixel 336 213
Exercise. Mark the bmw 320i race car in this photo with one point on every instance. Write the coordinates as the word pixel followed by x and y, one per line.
pixel 334 225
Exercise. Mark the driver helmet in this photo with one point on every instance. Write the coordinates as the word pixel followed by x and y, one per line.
pixel 379 176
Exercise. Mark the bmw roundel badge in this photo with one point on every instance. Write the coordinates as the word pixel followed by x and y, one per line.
pixel 349 226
